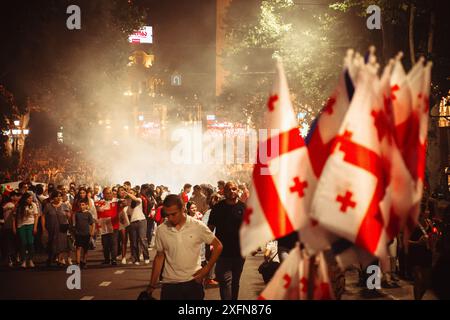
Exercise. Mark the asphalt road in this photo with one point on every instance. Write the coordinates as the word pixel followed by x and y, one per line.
pixel 98 282
pixel 125 282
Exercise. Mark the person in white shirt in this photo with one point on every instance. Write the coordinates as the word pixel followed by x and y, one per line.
pixel 124 202
pixel 137 229
pixel 97 195
pixel 25 224
pixel 9 239
pixel 178 241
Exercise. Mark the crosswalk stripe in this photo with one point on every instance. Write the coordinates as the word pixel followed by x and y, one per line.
pixel 104 284
pixel 87 298
pixel 119 272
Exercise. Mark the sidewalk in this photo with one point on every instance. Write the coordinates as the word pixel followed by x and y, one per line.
pixel 354 292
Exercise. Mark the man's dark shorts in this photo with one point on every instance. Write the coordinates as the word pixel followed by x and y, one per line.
pixel 82 241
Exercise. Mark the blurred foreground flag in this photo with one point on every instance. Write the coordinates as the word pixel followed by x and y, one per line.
pixel 366 192
pixel 294 281
pixel 283 181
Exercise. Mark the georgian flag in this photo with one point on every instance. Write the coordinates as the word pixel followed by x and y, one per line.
pixel 283 181
pixel 367 192
pixel 291 280
pixel 409 97
pixel 320 140
pixel 352 183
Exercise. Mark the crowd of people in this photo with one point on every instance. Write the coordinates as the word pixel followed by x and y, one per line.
pixel 55 163
pixel 64 222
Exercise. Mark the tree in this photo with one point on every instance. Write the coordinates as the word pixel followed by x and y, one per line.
pixel 64 74
pixel 426 24
pixel 56 67
pixel 309 40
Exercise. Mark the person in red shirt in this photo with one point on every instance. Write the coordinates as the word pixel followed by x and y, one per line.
pixel 108 216
pixel 184 194
pixel 221 187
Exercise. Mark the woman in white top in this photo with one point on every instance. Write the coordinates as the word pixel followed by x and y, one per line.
pixel 124 221
pixel 25 224
pixel 191 208
pixel 137 229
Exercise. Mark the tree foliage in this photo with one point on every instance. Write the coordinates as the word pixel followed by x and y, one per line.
pixel 309 41
pixel 58 68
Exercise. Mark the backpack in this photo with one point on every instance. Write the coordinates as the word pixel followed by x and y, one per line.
pixel 268 268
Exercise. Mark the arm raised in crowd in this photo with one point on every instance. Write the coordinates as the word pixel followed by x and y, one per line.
pixel 133 197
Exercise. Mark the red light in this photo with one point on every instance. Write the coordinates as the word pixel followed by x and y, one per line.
pixel 435 230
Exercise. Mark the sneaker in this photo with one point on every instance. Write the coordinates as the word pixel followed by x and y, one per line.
pixel 31 264
pixel 114 263
pixel 24 264
pixel 137 263
pixel 147 261
pixel 124 261
pixel 212 282
pixel 141 257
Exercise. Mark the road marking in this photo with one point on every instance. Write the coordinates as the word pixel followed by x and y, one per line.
pixel 87 298
pixel 104 284
pixel 119 272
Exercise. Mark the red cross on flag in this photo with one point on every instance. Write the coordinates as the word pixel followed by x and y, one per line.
pixel 320 141
pixel 409 98
pixel 366 191
pixel 352 183
pixel 292 279
pixel 325 130
pixel 282 180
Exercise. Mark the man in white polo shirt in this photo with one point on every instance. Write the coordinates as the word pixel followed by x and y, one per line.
pixel 178 241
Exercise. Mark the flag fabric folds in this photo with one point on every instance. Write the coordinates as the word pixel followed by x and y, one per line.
pixel 352 185
pixel 282 189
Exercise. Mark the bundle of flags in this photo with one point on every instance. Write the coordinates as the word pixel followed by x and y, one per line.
pixel 355 181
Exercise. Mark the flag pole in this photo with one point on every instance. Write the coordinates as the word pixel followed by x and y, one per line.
pixel 311 276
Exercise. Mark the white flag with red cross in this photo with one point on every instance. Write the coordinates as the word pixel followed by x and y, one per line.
pixel 320 140
pixel 364 194
pixel 282 181
pixel 409 98
pixel 352 184
pixel 293 280
pixel 325 129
